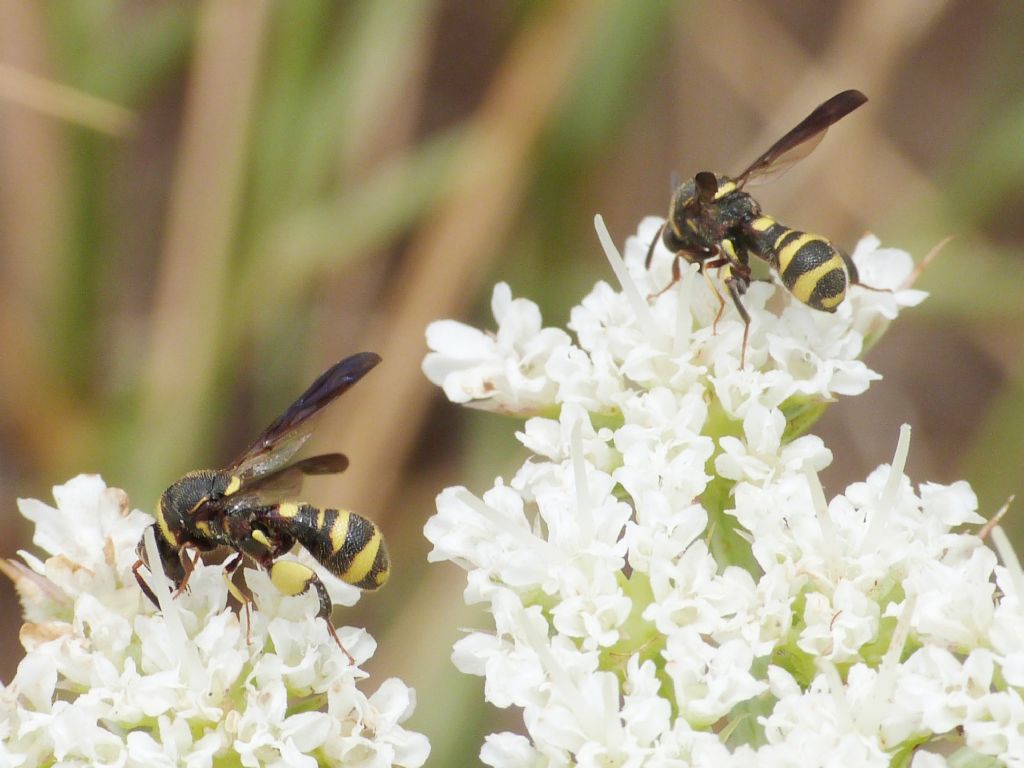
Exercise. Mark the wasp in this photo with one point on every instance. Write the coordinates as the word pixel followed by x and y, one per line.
pixel 712 222
pixel 247 508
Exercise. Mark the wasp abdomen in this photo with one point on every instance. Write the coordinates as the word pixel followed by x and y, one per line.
pixel 809 265
pixel 348 545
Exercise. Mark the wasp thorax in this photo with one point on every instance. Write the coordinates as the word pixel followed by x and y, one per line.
pixel 706 210
pixel 184 496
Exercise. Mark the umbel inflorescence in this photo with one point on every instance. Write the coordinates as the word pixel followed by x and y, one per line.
pixel 107 680
pixel 668 582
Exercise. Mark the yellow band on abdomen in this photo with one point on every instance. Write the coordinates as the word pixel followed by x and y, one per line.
pixel 362 563
pixel 803 287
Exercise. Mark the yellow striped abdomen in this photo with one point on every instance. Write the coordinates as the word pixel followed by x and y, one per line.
pixel 348 545
pixel 809 265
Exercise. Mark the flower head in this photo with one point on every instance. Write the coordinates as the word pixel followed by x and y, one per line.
pixel 670 584
pixel 108 680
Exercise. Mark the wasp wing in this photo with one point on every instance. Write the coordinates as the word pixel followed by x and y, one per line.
pixel 803 139
pixel 260 490
pixel 286 434
pixel 286 482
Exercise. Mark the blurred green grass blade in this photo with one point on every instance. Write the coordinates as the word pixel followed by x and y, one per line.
pixel 317 110
pixel 88 236
pixel 983 186
pixel 962 281
pixel 990 175
pixel 94 58
pixel 107 55
pixel 326 88
pixel 345 101
pixel 390 39
pixel 330 233
pixel 190 307
pixel 987 168
pixel 298 34
pixel 622 56
pixel 351 105
pixel 993 465
pixel 449 711
pixel 77 28
pixel 148 57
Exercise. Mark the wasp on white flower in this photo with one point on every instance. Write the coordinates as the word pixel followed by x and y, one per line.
pixel 107 680
pixel 669 582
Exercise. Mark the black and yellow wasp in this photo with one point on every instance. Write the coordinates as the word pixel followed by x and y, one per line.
pixel 245 507
pixel 714 223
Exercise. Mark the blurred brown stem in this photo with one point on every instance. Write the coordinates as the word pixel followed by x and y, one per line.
pixel 190 299
pixel 33 165
pixel 446 262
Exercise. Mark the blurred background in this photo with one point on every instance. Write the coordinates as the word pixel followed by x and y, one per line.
pixel 205 204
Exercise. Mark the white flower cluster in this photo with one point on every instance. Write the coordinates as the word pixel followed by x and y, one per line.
pixel 668 583
pixel 108 681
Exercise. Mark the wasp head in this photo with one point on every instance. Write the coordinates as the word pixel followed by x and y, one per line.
pixel 179 504
pixel 695 225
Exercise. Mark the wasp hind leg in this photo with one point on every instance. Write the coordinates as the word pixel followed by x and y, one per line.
pixel 293 578
pixel 139 564
pixel 700 257
pixel 653 245
pixel 854 275
pixel 736 276
pixel 737 287
pixel 243 599
pixel 188 565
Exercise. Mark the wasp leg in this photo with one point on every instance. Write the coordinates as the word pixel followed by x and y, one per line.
pixel 677 274
pixel 294 578
pixel 243 599
pixel 188 565
pixel 170 562
pixel 736 280
pixel 718 295
pixel 653 245
pixel 737 287
pixel 851 270
pixel 718 263
pixel 142 584
pixel 695 257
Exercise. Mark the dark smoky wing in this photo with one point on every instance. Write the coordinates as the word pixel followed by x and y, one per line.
pixel 286 482
pixel 324 464
pixel 286 434
pixel 803 139
pixel 244 505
